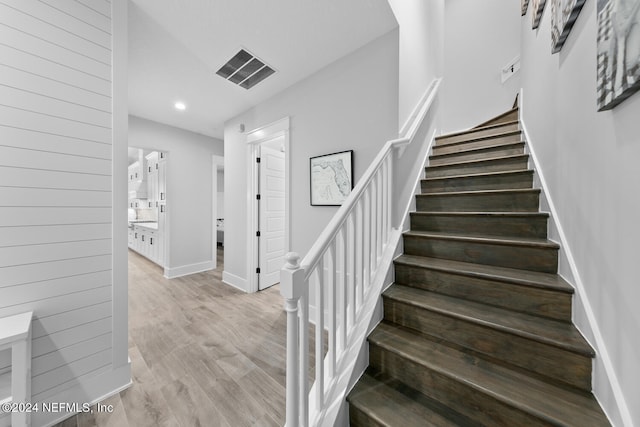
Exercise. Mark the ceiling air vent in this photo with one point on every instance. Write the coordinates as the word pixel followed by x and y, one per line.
pixel 245 70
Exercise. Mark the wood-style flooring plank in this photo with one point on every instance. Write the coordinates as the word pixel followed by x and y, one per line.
pixel 203 354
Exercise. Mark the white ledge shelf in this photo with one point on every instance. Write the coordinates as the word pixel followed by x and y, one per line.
pixel 15 386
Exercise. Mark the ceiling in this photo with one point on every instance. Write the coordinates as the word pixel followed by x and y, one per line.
pixel 176 47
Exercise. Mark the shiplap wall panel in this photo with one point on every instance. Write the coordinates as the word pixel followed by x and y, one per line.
pixel 90 286
pixel 44 86
pixel 21 216
pixel 25 119
pixel 54 53
pixel 22 236
pixel 43 326
pixel 12 137
pixel 43 178
pixel 35 254
pixel 73 23
pixel 23 274
pixel 90 17
pixel 25 196
pixel 70 371
pixel 29 62
pixel 26 158
pixel 56 359
pixel 40 104
pixel 86 331
pixel 55 299
pixel 56 185
pixel 18 21
pixel 51 393
pixel 102 7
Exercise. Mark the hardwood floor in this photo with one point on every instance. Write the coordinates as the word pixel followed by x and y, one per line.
pixel 203 354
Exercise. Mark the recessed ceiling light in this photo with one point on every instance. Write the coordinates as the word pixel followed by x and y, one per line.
pixel 180 106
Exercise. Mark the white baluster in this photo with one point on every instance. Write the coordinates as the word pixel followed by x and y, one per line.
pixel 304 356
pixel 291 286
pixel 344 290
pixel 332 307
pixel 319 333
pixel 352 265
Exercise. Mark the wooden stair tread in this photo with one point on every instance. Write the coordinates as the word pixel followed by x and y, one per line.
pixel 476 149
pixel 383 403
pixel 471 162
pixel 558 334
pixel 477 129
pixel 479 192
pixel 502 274
pixel 479 175
pixel 507 241
pixel 555 405
pixel 498 117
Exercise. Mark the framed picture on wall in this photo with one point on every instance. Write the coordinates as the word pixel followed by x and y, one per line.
pixel 538 8
pixel 618 51
pixel 331 178
pixel 525 5
pixel 563 15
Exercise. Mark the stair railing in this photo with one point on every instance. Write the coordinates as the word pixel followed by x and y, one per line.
pixel 352 254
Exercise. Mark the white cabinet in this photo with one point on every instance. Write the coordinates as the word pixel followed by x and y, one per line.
pixel 148 242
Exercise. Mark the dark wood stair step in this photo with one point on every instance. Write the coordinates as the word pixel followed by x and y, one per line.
pixel 507 116
pixel 516 200
pixel 482 181
pixel 527 254
pixel 387 402
pixel 477 388
pixel 489 152
pixel 473 142
pixel 497 164
pixel 505 224
pixel 539 294
pixel 486 131
pixel 550 349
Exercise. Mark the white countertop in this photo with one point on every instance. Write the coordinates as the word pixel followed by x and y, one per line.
pixel 149 225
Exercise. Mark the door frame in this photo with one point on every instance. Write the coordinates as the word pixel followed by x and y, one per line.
pixel 215 162
pixel 254 138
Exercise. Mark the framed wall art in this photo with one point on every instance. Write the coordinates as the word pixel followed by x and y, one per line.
pixel 331 178
pixel 618 55
pixel 538 8
pixel 525 5
pixel 563 15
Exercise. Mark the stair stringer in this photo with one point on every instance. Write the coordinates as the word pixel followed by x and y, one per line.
pixel 354 366
pixel 583 316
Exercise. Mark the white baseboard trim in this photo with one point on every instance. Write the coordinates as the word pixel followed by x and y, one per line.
pixel 90 391
pixel 235 281
pixel 184 270
pixel 591 328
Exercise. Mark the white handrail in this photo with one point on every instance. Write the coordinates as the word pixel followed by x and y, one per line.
pixel 340 271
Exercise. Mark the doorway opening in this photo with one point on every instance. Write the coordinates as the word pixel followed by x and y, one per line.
pixel 268 219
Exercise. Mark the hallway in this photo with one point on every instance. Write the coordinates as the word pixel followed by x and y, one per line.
pixel 203 353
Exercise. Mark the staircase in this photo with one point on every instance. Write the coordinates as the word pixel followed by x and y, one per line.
pixel 477 326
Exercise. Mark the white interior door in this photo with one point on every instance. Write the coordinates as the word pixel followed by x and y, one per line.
pixel 272 213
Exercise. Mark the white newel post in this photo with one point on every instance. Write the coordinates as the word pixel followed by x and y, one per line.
pixel 291 288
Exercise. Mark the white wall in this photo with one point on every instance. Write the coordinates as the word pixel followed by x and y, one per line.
pixel 189 190
pixel 481 37
pixel 590 162
pixel 421 44
pixel 57 148
pixel 350 104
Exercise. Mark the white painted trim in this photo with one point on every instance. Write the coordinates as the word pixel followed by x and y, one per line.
pixel 235 281
pixel 91 391
pixel 253 139
pixel 184 270
pixel 602 355
pixel 215 162
pixel 119 145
